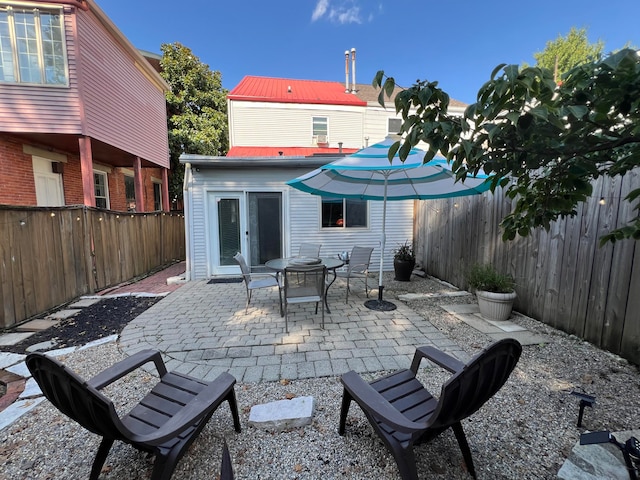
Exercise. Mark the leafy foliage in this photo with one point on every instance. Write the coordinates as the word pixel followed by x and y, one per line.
pixel 196 110
pixel 542 141
pixel 488 279
pixel 564 53
pixel 405 252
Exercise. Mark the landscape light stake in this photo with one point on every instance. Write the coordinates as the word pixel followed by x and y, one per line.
pixel 585 401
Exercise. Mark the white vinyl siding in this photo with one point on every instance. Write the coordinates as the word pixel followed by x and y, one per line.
pixel 256 124
pixel 301 220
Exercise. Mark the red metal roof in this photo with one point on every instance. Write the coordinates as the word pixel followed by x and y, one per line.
pixel 286 151
pixel 283 90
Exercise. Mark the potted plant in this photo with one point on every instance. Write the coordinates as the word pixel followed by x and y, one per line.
pixel 404 260
pixel 495 291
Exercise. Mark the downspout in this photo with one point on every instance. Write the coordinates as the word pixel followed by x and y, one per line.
pixel 188 209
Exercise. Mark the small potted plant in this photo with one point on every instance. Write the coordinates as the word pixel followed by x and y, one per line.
pixel 404 260
pixel 495 291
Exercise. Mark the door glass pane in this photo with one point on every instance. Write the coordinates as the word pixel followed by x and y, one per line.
pixel 228 229
pixel 265 226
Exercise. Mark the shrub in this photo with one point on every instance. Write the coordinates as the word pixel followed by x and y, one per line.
pixel 487 278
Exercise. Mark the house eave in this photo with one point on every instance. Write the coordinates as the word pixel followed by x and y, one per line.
pixel 218 162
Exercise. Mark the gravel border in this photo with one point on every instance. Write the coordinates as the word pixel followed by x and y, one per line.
pixel 525 432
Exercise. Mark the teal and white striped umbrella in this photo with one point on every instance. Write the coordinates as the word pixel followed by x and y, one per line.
pixel 369 175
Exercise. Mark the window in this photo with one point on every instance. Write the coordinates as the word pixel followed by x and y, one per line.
pixel 157 196
pixel 394 125
pixel 32 46
pixel 100 189
pixel 344 213
pixel 130 193
pixel 320 126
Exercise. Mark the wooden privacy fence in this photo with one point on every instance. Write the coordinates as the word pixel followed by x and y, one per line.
pixel 51 255
pixel 563 277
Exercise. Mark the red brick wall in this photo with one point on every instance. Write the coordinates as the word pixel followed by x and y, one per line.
pixel 17 185
pixel 16 174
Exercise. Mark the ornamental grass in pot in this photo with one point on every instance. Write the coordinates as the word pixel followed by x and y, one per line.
pixel 404 261
pixel 495 291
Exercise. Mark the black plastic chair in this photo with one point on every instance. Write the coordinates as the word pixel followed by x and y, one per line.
pixel 165 422
pixel 403 413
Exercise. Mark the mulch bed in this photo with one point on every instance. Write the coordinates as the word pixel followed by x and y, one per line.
pixel 102 319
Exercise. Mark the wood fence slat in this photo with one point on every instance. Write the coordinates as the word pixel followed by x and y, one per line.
pixel 563 277
pixel 46 261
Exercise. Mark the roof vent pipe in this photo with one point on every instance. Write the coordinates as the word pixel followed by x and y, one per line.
pixel 339 147
pixel 346 71
pixel 353 70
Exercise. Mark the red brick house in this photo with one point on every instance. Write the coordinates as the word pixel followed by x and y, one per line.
pixel 82 112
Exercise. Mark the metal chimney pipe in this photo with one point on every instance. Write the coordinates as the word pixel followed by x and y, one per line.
pixel 339 147
pixel 353 70
pixel 346 71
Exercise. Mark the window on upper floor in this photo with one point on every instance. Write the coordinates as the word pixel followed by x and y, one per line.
pixel 101 189
pixel 394 125
pixel 320 129
pixel 344 213
pixel 32 46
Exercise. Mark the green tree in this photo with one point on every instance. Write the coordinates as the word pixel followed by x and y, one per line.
pixel 196 110
pixel 543 142
pixel 564 53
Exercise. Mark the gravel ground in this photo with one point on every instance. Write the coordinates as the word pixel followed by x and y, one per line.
pixel 524 432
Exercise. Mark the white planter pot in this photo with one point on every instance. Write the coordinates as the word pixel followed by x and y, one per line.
pixel 495 306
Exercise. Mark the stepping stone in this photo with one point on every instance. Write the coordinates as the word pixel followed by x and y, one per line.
pixel 37 325
pixel 16 410
pixel 14 338
pixel 8 359
pixel 525 338
pixel 63 314
pixel 282 414
pixel 597 461
pixel 48 345
pixel 85 302
pixel 462 308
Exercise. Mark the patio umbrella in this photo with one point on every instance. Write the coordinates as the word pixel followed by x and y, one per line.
pixel 369 175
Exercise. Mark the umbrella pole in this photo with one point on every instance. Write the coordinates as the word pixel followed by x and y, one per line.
pixel 380 304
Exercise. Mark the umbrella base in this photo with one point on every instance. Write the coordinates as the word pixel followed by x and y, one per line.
pixel 380 305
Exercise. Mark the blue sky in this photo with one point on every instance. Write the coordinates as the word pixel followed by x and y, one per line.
pixel 457 43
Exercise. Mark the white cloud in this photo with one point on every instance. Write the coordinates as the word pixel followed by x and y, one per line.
pixel 344 15
pixel 339 11
pixel 320 10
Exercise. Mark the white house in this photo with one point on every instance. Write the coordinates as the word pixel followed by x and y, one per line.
pixel 244 205
pixel 280 129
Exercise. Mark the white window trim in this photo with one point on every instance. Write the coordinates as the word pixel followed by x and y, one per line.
pixel 389 132
pixel 318 137
pixel 345 227
pixel 106 186
pixel 54 9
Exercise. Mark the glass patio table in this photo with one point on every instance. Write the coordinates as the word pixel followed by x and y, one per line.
pixel 279 264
